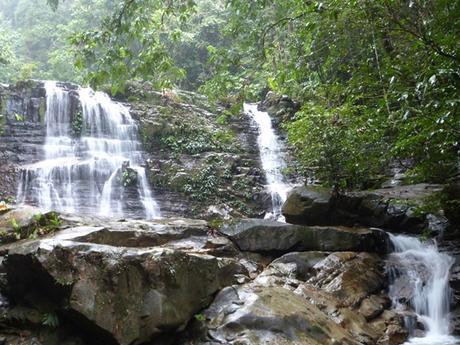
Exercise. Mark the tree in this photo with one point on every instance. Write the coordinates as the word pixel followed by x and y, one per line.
pixel 379 81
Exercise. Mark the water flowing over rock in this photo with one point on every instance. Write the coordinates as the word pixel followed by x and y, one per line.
pixel 420 289
pixel 271 156
pixel 207 166
pixel 90 143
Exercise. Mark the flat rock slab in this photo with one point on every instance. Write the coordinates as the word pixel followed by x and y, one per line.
pixel 259 235
pixel 124 282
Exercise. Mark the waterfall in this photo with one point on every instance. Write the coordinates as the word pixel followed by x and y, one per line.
pixel 95 171
pixel 419 276
pixel 271 154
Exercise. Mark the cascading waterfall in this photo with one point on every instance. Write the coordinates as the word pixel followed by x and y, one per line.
pixel 420 277
pixel 272 160
pixel 87 173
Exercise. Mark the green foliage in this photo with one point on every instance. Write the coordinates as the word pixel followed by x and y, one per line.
pixel 51 320
pixel 129 44
pixel 16 228
pixel 128 177
pixel 200 317
pixel 343 147
pixel 429 205
pixel 7 55
pixel 203 185
pixel 378 80
pixel 77 124
pixel 112 42
pixel 190 138
pixel 40 226
pixel 37 38
pixel 19 118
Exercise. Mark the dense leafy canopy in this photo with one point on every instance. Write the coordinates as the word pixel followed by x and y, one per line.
pixel 378 80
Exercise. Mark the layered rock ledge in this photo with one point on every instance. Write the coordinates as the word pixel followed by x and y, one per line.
pixel 178 281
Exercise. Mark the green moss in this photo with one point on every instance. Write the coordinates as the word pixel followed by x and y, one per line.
pixel 431 204
pixel 128 177
pixel 3 105
pixel 40 226
pixel 42 111
pixel 77 124
pixel 133 99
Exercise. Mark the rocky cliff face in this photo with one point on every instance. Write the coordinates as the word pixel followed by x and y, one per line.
pixel 202 161
pixel 22 132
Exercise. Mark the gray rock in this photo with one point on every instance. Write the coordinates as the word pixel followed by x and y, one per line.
pixel 308 205
pixel 391 208
pixel 255 315
pixel 276 308
pixel 349 276
pixel 258 235
pixel 298 264
pixel 127 281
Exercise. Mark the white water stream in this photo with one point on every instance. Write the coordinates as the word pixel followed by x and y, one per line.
pixel 420 274
pixel 84 174
pixel 271 154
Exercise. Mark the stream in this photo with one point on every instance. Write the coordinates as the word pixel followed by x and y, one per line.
pixel 271 156
pixel 419 276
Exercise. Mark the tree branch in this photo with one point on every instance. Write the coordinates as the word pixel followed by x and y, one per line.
pixel 420 35
pixel 275 24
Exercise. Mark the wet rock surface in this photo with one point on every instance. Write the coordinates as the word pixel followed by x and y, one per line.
pixel 21 131
pixel 396 208
pixel 202 160
pixel 288 304
pixel 123 282
pixel 176 281
pixel 259 235
pixel 204 167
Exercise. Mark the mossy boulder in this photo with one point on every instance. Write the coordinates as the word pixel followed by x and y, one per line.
pixel 397 209
pixel 26 222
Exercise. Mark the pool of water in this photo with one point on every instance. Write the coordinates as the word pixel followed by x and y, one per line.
pixel 434 340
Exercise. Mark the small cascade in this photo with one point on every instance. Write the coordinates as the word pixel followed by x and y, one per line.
pixel 95 171
pixel 419 276
pixel 271 154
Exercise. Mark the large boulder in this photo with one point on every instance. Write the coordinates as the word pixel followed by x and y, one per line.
pixel 398 208
pixel 286 304
pixel 308 205
pixel 123 282
pixel 272 315
pixel 349 276
pixel 261 235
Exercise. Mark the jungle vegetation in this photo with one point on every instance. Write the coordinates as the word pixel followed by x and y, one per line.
pixel 378 81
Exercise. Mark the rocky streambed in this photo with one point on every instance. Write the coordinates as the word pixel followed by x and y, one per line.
pixel 177 281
